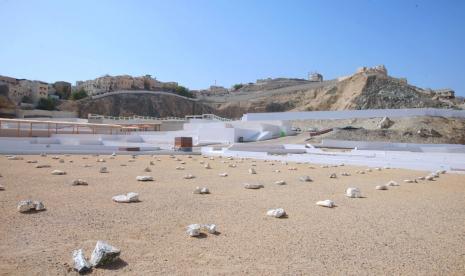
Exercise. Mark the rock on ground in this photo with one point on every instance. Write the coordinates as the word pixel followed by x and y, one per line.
pixel 81 265
pixel 253 186
pixel 381 187
pixel 385 123
pixel 201 190
pixel 277 213
pixel 326 203
pixel 127 198
pixel 79 182
pixel 58 172
pixel 392 183
pixel 353 192
pixel 144 178
pixel 25 206
pixel 193 230
pixel 104 254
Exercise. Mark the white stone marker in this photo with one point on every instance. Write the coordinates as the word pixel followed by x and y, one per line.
pixel 353 192
pixel 144 178
pixel 276 213
pixel 326 203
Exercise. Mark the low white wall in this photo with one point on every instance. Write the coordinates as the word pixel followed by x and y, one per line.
pixel 44 113
pixel 366 145
pixel 430 161
pixel 353 114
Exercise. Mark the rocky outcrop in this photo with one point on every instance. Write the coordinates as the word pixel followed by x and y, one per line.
pixel 385 92
pixel 369 89
pixel 142 104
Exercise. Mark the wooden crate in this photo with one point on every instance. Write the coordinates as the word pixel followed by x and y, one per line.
pixel 183 142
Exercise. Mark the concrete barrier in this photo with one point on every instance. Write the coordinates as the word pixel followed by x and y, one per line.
pixel 353 114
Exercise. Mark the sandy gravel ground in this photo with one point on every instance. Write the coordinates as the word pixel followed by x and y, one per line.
pixel 414 229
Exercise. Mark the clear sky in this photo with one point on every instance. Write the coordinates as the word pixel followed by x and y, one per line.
pixel 198 42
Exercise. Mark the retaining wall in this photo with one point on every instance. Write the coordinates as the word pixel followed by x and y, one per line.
pixel 353 114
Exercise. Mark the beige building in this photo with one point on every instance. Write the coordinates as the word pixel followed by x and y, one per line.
pixel 8 80
pixel 108 83
pixel 379 69
pixel 34 89
pixel 214 89
pixel 20 88
pixel 316 77
pixel 15 91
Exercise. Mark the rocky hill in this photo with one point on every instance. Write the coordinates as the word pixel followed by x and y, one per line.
pixel 359 91
pixel 368 88
pixel 138 104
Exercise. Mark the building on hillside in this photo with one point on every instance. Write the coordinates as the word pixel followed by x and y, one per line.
pixel 15 92
pixel 211 91
pixel 379 69
pixel 8 80
pixel 316 77
pixel 170 85
pixel 34 89
pixel 445 93
pixel 108 83
pixel 62 89
pixel 214 89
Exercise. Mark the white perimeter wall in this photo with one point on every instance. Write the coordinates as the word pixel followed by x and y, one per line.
pixel 353 114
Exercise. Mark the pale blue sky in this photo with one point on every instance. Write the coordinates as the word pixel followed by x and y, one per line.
pixel 198 42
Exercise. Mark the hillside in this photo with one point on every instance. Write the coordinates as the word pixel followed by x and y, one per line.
pixel 359 91
pixel 138 104
pixel 368 88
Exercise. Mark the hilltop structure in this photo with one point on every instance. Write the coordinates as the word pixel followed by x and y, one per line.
pixel 109 83
pixel 20 89
pixel 317 77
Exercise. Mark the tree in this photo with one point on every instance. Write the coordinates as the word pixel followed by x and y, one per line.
pixel 47 104
pixel 27 99
pixel 183 91
pixel 80 94
pixel 238 86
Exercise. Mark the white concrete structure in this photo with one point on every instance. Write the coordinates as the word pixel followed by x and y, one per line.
pixel 426 161
pixel 203 132
pixel 353 114
pixel 236 131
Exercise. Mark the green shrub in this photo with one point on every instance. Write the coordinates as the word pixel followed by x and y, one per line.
pixel 27 99
pixel 183 91
pixel 47 104
pixel 238 86
pixel 80 94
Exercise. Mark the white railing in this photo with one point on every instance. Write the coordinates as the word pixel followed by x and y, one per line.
pixel 208 117
pixel 137 117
